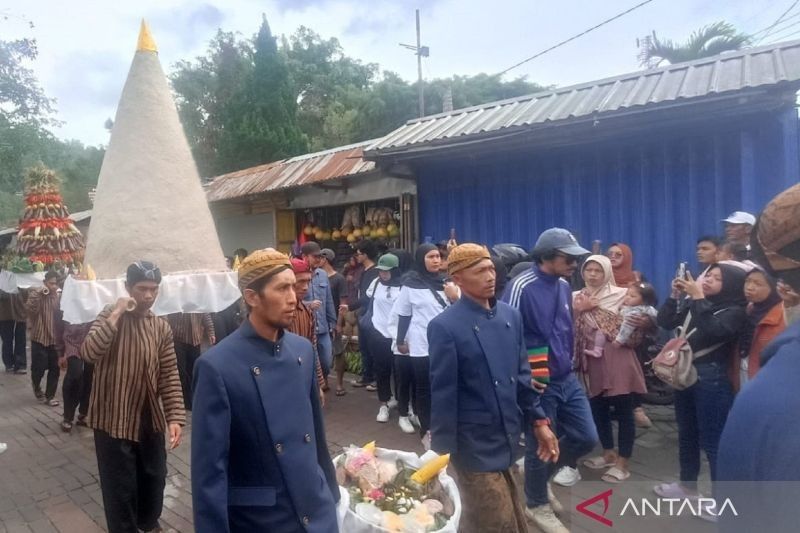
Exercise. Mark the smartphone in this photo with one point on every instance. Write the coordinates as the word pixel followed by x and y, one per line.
pixel 681 271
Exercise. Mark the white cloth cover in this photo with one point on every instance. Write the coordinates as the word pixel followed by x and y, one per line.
pixel 11 282
pixel 188 292
pixel 350 522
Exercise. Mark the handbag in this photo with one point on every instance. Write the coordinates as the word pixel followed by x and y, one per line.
pixel 674 364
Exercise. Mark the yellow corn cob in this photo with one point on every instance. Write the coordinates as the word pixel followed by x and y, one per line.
pixel 369 447
pixel 90 275
pixel 430 469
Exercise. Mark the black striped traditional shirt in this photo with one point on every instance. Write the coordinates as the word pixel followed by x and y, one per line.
pixel 41 316
pixel 304 324
pixel 189 328
pixel 135 367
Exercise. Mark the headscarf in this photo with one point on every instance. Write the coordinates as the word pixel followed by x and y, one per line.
pixel 732 293
pixel 608 294
pixel 757 311
pixel 405 258
pixel 300 265
pixel 502 276
pixel 142 271
pixel 624 274
pixel 419 277
pixel 260 264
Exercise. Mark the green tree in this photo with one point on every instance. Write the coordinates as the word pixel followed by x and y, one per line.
pixel 707 41
pixel 20 95
pixel 262 123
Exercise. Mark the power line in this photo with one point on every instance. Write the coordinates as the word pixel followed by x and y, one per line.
pixel 778 20
pixel 783 24
pixel 581 34
pixel 777 38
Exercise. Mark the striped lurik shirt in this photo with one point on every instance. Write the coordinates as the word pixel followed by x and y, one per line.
pixel 304 324
pixel 135 367
pixel 41 316
pixel 189 328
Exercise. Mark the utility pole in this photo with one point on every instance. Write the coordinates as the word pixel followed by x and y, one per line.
pixel 420 51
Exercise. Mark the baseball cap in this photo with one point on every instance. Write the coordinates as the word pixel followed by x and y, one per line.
pixel 740 217
pixel 388 262
pixel 328 254
pixel 311 248
pixel 561 240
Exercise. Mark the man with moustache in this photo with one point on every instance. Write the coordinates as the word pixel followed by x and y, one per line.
pixel 259 457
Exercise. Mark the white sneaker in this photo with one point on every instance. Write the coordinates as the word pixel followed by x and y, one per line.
pixel 392 403
pixel 567 476
pixel 554 503
pixel 414 419
pixel 405 425
pixel 426 441
pixel 383 414
pixel 545 519
pixel 3 447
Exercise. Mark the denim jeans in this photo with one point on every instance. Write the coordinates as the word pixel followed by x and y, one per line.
pixel 325 352
pixel 701 412
pixel 565 403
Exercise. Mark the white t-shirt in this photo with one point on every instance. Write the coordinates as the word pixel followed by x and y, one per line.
pixel 422 307
pixel 384 297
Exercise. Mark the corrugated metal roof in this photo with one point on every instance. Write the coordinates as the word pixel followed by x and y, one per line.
pixel 294 172
pixel 752 68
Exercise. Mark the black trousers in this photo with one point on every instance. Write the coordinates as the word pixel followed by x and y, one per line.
pixel 86 388
pixel 77 387
pixel 416 371
pixel 601 412
pixel 44 359
pixel 14 337
pixel 404 385
pixel 187 354
pixel 382 358
pixel 132 479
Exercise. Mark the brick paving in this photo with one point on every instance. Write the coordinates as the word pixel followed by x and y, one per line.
pixel 49 481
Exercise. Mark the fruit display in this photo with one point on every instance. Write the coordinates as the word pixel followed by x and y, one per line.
pixel 388 493
pixel 379 223
pixel 47 236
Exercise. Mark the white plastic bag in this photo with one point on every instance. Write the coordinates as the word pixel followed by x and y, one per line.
pixel 350 522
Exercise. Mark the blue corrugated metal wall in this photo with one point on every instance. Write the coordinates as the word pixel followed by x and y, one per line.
pixel 657 194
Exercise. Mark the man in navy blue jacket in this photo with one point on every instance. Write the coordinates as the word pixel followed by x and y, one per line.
pixel 481 395
pixel 544 299
pixel 259 456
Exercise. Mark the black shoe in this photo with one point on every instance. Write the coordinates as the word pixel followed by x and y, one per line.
pixel 81 422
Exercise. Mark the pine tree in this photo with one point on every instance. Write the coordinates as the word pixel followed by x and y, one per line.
pixel 46 233
pixel 263 116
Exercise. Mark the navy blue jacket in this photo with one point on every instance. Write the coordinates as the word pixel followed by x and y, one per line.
pixel 481 389
pixel 259 457
pixel 760 446
pixel 545 302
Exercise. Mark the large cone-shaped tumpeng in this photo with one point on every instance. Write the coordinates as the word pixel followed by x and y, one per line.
pixel 150 203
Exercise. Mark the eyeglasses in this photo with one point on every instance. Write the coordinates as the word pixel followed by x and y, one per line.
pixel 615 254
pixel 568 259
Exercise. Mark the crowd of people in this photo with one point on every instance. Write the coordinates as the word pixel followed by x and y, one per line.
pixel 478 355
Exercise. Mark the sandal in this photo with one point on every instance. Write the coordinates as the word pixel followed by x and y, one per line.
pixel 615 475
pixel 53 403
pixel 66 427
pixel 81 421
pixel 340 392
pixel 598 463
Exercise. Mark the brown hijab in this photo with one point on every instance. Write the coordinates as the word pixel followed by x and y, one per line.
pixel 624 274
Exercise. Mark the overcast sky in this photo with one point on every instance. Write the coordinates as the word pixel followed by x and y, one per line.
pixel 85 47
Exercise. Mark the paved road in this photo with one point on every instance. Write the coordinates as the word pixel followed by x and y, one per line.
pixel 49 482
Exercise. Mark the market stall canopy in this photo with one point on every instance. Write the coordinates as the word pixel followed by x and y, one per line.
pixel 150 203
